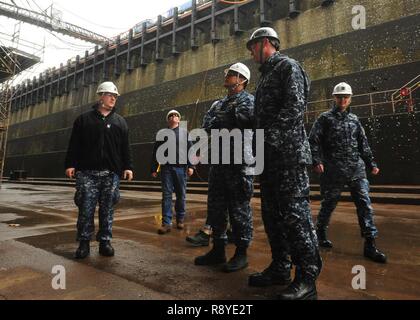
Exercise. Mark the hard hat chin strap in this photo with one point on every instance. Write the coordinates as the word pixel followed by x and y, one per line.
pixel 237 84
pixel 233 87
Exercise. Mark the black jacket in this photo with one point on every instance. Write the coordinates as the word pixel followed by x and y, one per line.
pixel 99 143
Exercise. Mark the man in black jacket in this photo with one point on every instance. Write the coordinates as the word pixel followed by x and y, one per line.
pixel 98 155
pixel 280 102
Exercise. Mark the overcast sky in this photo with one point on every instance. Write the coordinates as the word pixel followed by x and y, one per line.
pixel 106 17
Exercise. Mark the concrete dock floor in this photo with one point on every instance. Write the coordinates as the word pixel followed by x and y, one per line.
pixel 37 232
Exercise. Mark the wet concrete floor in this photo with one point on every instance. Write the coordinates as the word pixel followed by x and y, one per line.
pixel 37 232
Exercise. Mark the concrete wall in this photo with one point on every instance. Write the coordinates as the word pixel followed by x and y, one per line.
pixel 382 57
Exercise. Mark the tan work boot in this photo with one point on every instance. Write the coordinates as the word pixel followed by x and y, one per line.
pixel 180 225
pixel 164 229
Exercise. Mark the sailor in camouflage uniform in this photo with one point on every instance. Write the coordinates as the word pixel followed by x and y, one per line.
pixel 98 155
pixel 280 102
pixel 341 153
pixel 230 185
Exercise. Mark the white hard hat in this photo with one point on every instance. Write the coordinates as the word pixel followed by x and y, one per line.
pixel 107 87
pixel 262 33
pixel 172 112
pixel 343 88
pixel 240 68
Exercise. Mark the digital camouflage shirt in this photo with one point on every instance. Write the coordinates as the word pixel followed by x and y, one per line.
pixel 280 103
pixel 338 141
pixel 232 112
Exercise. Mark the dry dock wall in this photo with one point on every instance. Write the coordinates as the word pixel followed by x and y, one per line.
pixel 153 79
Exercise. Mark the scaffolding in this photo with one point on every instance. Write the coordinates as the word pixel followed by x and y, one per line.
pixel 12 62
pixel 52 23
pixel 7 70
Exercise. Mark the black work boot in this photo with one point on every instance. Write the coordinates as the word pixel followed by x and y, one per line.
pixel 372 252
pixel 84 250
pixel 217 255
pixel 322 238
pixel 105 249
pixel 299 289
pixel 269 277
pixel 201 239
pixel 238 262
